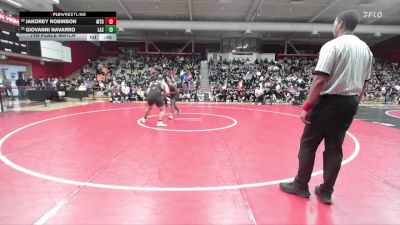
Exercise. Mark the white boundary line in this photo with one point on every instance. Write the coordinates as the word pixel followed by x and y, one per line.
pixel 53 211
pixel 165 189
pixel 187 118
pixel 57 207
pixel 384 124
pixel 388 113
pixel 202 130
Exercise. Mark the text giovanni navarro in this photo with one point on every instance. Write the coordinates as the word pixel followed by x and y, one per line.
pixel 50 29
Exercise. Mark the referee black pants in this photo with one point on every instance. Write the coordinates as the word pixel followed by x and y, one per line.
pixel 330 118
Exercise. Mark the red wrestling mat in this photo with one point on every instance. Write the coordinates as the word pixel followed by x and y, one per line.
pixel 393 113
pixel 213 164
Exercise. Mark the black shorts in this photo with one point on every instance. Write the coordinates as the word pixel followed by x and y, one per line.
pixel 175 97
pixel 158 100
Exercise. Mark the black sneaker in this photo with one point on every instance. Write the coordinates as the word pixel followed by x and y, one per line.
pixel 323 196
pixel 291 188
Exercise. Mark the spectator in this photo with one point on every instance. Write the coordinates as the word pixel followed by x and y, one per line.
pixel 8 87
pixel 259 92
pixel 21 84
pixel 82 87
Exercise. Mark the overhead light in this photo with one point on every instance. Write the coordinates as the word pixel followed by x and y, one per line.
pixel 233 50
pixel 248 31
pixel 366 3
pixel 13 2
pixel 297 2
pixel 378 34
pixel 188 31
pixel 56 1
pixel 314 33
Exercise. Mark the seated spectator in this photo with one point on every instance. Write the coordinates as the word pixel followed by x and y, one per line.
pixel 82 87
pixel 115 94
pixel 60 87
pixel 125 92
pixel 259 93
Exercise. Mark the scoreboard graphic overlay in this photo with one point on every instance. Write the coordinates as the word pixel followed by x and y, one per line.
pixel 68 26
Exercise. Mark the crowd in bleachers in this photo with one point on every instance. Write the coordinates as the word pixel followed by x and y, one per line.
pixel 384 83
pixel 278 81
pixel 127 78
pixel 287 80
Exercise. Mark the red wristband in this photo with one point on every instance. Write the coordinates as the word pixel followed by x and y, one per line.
pixel 307 106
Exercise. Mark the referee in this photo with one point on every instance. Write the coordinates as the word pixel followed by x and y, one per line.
pixel 341 73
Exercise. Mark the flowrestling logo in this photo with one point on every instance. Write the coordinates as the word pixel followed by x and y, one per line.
pixel 372 14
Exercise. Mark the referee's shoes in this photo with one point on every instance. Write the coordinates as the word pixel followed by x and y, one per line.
pixel 294 189
pixel 323 196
